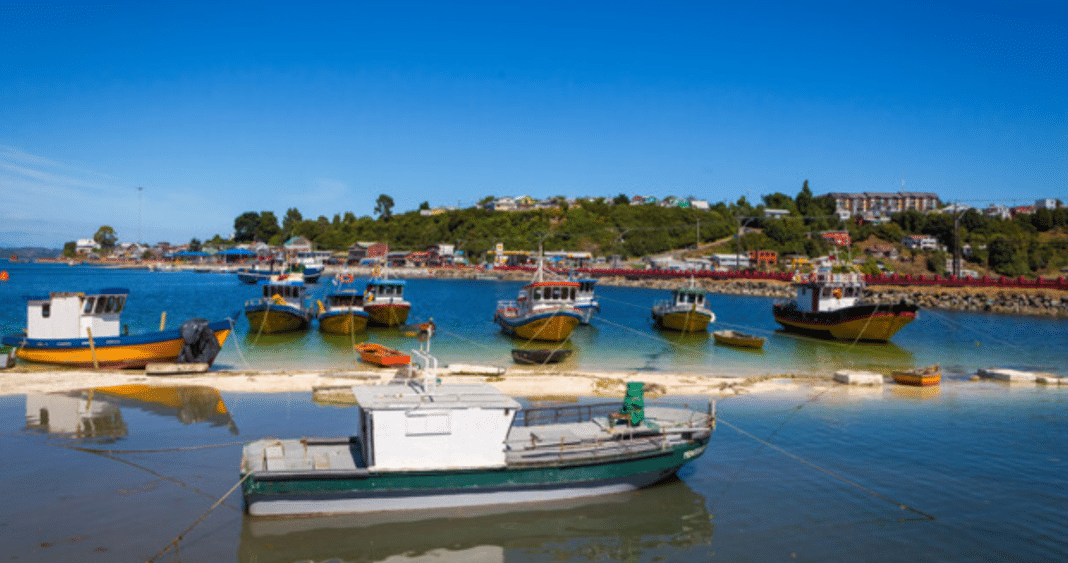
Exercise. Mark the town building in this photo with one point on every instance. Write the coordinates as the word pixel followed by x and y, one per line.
pixel 837 238
pixel 882 204
pixel 920 242
pixel 763 257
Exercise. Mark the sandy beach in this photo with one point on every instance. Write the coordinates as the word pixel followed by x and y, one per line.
pixel 532 383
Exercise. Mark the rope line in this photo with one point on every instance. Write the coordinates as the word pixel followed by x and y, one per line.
pixel 174 543
pixel 923 516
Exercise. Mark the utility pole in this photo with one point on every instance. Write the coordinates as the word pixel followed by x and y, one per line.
pixel 139 190
pixel 956 239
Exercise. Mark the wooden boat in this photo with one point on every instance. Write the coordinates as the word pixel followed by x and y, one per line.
pixel 585 299
pixel 543 310
pixel 831 306
pixel 540 356
pixel 921 377
pixel 384 302
pixel 686 311
pixel 283 307
pixel 739 339
pixel 382 356
pixel 342 312
pixel 425 446
pixel 84 330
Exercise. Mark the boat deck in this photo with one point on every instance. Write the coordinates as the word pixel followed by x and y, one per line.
pixel 526 445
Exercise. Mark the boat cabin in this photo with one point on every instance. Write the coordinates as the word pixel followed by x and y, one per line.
pixel 688 297
pixel 73 315
pixel 547 294
pixel 414 426
pixel 585 289
pixel 344 299
pixel 390 290
pixel 824 291
pixel 284 292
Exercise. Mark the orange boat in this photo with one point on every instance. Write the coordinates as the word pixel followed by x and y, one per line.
pixel 920 377
pixel 381 356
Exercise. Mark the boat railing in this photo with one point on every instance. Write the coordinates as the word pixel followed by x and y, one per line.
pixel 564 413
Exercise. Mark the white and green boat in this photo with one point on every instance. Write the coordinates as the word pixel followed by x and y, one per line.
pixel 424 445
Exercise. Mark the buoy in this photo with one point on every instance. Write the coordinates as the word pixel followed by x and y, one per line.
pixel 3 275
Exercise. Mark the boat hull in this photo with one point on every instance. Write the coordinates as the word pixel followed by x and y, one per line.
pixel 134 351
pixel 422 490
pixel 877 323
pixel 730 338
pixel 343 322
pixel 683 321
pixel 553 326
pixel 387 314
pixel 540 357
pixel 916 379
pixel 276 318
pixel 382 356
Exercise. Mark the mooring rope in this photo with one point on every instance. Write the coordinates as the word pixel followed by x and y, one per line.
pixel 174 543
pixel 923 515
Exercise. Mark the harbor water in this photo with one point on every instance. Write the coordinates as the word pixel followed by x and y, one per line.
pixel 968 471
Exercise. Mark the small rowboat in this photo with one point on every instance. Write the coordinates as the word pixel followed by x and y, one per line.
pixel 740 339
pixel 540 356
pixel 381 356
pixel 920 377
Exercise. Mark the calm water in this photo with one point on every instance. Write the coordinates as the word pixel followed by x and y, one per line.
pixel 621 338
pixel 968 472
pixel 965 472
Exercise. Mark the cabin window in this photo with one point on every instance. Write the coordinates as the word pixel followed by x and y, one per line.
pixel 556 293
pixel 46 310
pixel 89 305
pixel 537 293
pixel 110 308
pixel 120 301
pixel 427 423
pixel 100 304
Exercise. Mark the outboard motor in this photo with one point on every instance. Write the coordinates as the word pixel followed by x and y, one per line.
pixel 201 346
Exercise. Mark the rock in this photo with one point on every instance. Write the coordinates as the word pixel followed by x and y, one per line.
pixel 856 377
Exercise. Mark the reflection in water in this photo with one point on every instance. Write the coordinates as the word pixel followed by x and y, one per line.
pixel 95 413
pixel 614 527
pixel 830 355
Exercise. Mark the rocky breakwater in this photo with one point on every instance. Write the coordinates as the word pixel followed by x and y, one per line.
pixel 1037 302
pixel 758 288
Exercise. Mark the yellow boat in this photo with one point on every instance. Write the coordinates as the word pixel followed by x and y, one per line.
pixel 920 377
pixel 282 308
pixel 739 339
pixel 829 306
pixel 83 330
pixel 384 302
pixel 686 311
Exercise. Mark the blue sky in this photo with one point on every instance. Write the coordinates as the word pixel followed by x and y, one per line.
pixel 221 108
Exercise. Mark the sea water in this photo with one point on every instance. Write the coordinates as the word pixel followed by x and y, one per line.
pixel 620 338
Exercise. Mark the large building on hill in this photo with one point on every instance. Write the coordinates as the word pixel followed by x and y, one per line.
pixel 882 204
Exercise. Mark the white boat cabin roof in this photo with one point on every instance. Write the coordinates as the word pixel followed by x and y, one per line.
pixel 74 314
pixel 449 396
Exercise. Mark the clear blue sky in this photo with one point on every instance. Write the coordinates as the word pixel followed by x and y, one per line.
pixel 221 108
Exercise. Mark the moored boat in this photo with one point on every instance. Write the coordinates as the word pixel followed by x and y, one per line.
pixel 540 356
pixel 830 305
pixel 686 311
pixel 738 339
pixel 283 307
pixel 585 299
pixel 384 302
pixel 543 310
pixel 920 377
pixel 424 446
pixel 85 330
pixel 379 355
pixel 341 310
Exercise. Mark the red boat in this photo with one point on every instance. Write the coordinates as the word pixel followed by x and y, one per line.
pixel 381 356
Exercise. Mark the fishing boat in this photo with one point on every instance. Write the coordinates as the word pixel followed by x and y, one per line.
pixel 738 339
pixel 283 307
pixel 85 330
pixel 585 300
pixel 920 377
pixel 424 446
pixel 686 311
pixel 253 276
pixel 384 302
pixel 540 356
pixel 382 356
pixel 543 310
pixel 830 305
pixel 341 310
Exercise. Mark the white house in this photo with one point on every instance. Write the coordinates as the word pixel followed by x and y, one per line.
pixel 776 213
pixel 921 242
pixel 86 246
pixel 1047 202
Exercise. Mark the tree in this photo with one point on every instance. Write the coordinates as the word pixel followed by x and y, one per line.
pixel 105 236
pixel 384 207
pixel 70 248
pixel 804 200
pixel 194 245
pixel 621 199
pixel 779 201
pixel 1004 256
pixel 424 205
pixel 245 226
pixel 1042 219
pixel 267 227
pixel 290 220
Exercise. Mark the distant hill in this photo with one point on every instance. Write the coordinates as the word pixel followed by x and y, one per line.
pixel 27 252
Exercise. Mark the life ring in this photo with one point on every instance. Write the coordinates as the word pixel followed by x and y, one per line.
pixel 282 277
pixel 838 293
pixel 346 278
pixel 812 277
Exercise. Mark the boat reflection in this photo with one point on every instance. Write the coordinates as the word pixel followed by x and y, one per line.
pixel 830 355
pixel 615 526
pixel 96 412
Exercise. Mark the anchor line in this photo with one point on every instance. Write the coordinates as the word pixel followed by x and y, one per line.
pixel 174 543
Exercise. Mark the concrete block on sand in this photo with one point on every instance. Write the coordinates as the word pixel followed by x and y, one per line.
pixel 855 377
pixel 470 369
pixel 1010 375
pixel 1050 379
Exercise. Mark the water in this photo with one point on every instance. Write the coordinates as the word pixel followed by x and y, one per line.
pixel 621 338
pixel 966 472
pixel 969 471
